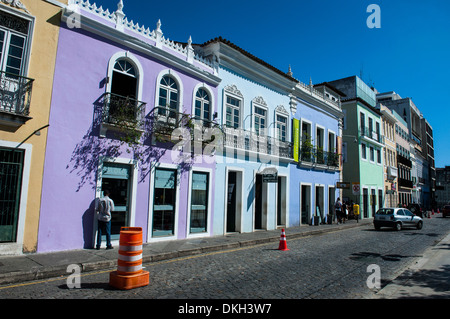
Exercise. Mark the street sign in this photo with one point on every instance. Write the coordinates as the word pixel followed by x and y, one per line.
pixel 355 188
pixel 270 175
pixel 343 185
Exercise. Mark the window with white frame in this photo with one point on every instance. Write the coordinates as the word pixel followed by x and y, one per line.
pixel 202 105
pixel 124 79
pixel 260 119
pixel 363 151
pixel 281 127
pixel 199 202
pixel 168 96
pixel 14 38
pixel 233 112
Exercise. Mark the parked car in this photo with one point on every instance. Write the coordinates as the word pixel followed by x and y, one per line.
pixel 397 218
pixel 446 211
pixel 416 209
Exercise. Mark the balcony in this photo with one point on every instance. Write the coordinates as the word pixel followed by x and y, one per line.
pixel 251 142
pixel 405 183
pixel 403 160
pixel 15 98
pixel 121 113
pixel 392 173
pixel 371 136
pixel 312 156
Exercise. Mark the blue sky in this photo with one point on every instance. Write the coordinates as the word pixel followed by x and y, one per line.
pixel 328 40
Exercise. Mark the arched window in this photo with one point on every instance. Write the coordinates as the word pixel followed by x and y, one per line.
pixel 124 80
pixel 202 109
pixel 168 96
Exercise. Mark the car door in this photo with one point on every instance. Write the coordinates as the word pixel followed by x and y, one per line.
pixel 409 218
pixel 400 216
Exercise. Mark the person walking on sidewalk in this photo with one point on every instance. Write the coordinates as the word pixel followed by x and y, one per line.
pixel 104 209
pixel 338 210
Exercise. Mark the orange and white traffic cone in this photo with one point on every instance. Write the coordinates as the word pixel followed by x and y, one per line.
pixel 283 244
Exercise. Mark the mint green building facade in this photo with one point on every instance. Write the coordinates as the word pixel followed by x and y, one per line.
pixel 362 148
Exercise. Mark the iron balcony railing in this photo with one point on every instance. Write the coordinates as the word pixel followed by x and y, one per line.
pixel 119 109
pixel 314 155
pixel 15 93
pixel 405 183
pixel 165 120
pixel 372 135
pixel 250 141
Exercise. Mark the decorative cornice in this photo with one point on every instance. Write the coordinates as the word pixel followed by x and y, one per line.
pixel 260 100
pixel 233 89
pixel 281 109
pixel 16 4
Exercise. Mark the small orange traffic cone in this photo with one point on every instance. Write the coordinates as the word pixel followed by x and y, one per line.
pixel 283 245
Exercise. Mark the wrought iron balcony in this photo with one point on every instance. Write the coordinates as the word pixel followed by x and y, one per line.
pixel 244 140
pixel 313 155
pixel 405 183
pixel 164 120
pixel 118 109
pixel 15 98
pixel 377 137
pixel 121 113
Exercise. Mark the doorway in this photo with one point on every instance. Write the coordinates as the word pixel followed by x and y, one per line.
pixel 11 170
pixel 305 203
pixel 117 179
pixel 234 202
pixel 281 201
pixel 373 201
pixel 259 201
pixel 320 202
pixel 366 202
pixel 331 201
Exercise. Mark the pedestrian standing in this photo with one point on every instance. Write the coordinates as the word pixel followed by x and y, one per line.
pixel 338 210
pixel 104 209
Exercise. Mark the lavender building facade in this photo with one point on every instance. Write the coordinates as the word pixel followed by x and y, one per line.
pixel 120 92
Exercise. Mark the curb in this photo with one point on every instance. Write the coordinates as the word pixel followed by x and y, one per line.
pixel 61 271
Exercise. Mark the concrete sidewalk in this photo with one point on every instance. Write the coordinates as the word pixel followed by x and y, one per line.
pixel 427 278
pixel 14 269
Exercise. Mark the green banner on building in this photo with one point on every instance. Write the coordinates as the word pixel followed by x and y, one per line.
pixel 296 138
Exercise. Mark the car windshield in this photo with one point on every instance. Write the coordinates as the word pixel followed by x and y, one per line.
pixel 447 207
pixel 385 211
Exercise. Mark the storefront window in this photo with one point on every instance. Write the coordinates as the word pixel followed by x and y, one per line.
pixel 164 202
pixel 199 202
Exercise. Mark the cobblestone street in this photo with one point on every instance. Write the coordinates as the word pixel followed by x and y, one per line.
pixel 327 266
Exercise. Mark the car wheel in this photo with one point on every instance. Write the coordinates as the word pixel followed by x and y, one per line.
pixel 377 227
pixel 419 225
pixel 398 226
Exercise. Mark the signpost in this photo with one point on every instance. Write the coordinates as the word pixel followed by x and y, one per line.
pixel 355 188
pixel 343 185
pixel 270 175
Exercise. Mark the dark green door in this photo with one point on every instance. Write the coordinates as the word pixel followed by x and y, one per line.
pixel 117 179
pixel 11 166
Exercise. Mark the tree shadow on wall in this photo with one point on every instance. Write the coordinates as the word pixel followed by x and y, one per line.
pixel 86 155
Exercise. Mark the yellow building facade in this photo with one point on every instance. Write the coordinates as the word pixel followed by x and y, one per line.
pixel 28 41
